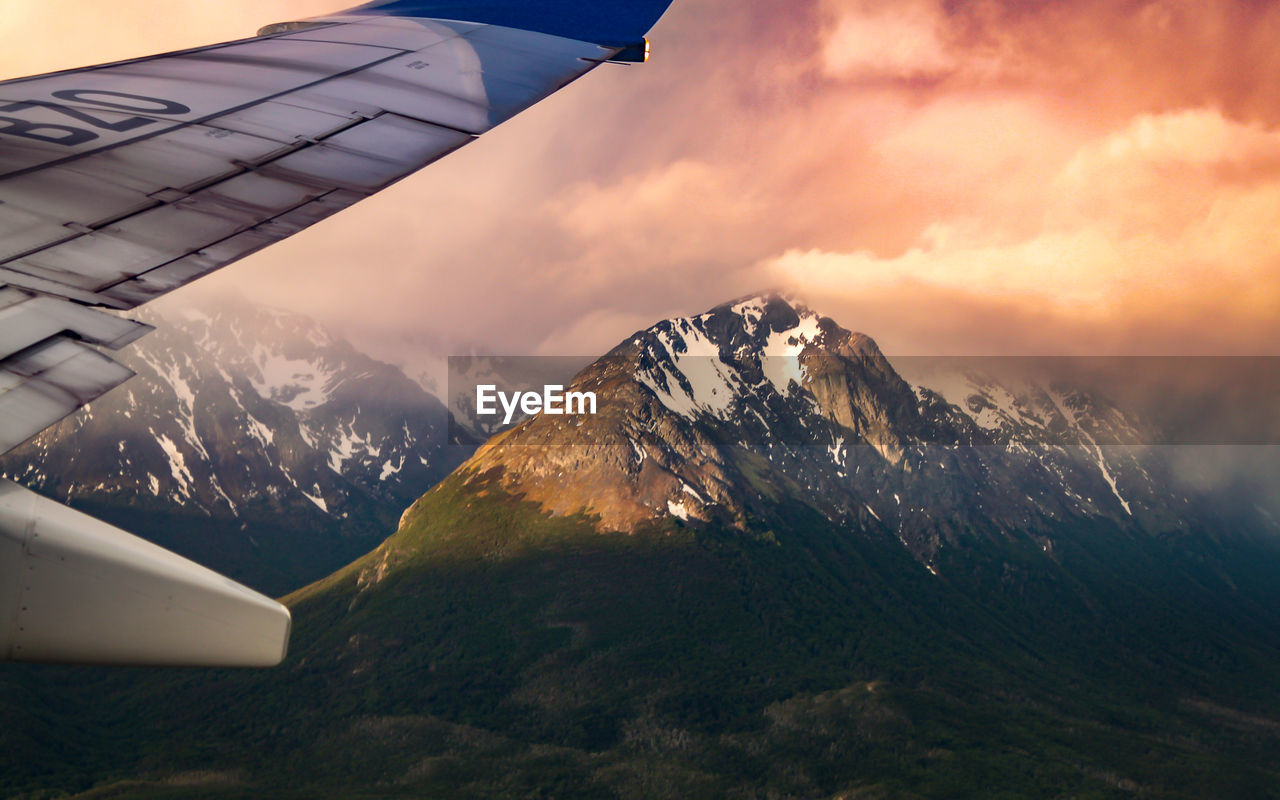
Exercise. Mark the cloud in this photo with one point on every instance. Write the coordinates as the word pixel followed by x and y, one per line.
pixel 1111 60
pixel 46 35
pixel 1046 267
pixel 605 325
pixel 1159 223
pixel 961 176
pixel 688 210
pixel 900 41
pixel 1165 173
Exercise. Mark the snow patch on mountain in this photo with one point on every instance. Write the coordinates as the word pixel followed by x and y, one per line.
pixel 259 430
pixel 297 383
pixel 678 509
pixel 319 501
pixel 781 353
pixel 350 445
pixel 691 378
pixel 177 464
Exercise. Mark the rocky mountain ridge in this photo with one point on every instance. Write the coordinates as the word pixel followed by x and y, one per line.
pixel 719 416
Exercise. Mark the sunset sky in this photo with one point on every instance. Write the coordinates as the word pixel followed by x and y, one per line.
pixel 965 178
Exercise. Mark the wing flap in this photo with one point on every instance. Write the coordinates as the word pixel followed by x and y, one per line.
pixel 47 370
pixel 27 319
pixel 67 366
pixel 45 383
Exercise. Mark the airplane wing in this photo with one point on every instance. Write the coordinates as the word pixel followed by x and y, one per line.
pixel 122 182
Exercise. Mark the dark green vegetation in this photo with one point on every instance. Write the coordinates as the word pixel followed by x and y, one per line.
pixel 271 554
pixel 489 650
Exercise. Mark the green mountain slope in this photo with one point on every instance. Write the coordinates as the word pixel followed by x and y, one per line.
pixel 491 650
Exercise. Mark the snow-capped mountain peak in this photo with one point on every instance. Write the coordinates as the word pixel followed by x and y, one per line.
pixel 719 417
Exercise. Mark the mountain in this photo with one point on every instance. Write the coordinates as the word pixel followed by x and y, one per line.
pixel 251 440
pixel 769 566
pixel 713 417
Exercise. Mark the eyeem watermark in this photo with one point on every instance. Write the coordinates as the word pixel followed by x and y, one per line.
pixel 553 399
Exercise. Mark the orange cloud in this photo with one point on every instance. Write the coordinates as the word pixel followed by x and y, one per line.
pixel 963 176
pixel 1163 220
pixel 881 41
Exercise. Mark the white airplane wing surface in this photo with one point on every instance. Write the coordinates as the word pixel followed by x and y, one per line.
pixel 121 182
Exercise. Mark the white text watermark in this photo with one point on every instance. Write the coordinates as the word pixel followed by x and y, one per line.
pixel 553 399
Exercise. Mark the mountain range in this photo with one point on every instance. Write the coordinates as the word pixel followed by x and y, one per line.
pixel 769 566
pixel 252 440
pixel 715 417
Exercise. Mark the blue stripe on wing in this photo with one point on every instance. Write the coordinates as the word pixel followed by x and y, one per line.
pixel 606 22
